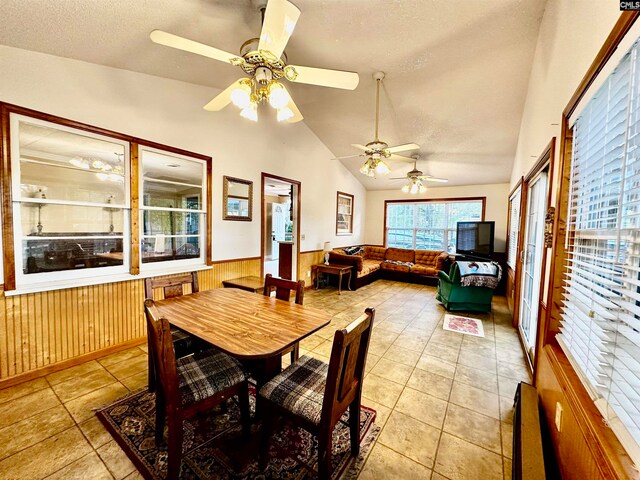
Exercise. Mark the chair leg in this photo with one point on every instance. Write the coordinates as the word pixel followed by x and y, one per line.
pixel 295 353
pixel 324 455
pixel 354 426
pixel 175 448
pixel 152 367
pixel 245 414
pixel 267 428
pixel 160 416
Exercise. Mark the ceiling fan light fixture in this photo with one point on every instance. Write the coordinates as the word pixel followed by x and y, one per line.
pixel 405 188
pixel 241 96
pixel 284 114
pixel 422 188
pixel 278 96
pixel 382 168
pixel 250 112
pixel 414 188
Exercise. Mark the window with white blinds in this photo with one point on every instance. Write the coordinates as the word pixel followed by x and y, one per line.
pixel 600 327
pixel 514 228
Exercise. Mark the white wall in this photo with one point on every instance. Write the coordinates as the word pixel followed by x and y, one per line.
pixel 571 33
pixel 170 112
pixel 496 207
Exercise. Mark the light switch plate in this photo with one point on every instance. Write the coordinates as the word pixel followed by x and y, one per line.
pixel 558 419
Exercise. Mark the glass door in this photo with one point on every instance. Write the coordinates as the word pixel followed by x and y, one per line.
pixel 532 260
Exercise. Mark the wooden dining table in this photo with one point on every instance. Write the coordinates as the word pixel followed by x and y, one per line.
pixel 253 328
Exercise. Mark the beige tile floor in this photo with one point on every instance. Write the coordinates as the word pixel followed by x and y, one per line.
pixel 443 399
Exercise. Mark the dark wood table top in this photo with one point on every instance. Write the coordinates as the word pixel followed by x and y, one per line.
pixel 241 323
pixel 332 267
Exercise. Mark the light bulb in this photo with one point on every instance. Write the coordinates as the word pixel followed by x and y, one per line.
pixel 278 96
pixel 414 188
pixel 405 188
pixel 382 168
pixel 241 95
pixel 284 114
pixel 364 169
pixel 250 112
pixel 422 188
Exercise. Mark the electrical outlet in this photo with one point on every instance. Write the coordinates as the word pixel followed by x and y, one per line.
pixel 558 419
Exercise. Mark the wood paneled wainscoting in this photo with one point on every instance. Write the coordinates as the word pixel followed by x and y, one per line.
pixel 307 259
pixel 48 331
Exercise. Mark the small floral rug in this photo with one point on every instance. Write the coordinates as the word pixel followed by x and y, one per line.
pixel 466 325
pixel 213 447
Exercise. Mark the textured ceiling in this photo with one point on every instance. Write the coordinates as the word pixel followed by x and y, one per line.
pixel 456 82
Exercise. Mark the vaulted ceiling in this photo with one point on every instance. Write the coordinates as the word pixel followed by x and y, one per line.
pixel 456 71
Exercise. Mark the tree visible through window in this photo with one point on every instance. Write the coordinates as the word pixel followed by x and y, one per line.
pixel 429 224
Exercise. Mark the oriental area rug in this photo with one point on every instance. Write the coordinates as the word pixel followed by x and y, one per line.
pixel 213 447
pixel 466 325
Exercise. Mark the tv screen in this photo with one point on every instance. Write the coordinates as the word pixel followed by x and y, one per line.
pixel 475 238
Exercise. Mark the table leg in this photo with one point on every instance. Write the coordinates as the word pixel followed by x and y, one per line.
pixel 267 368
pixel 349 284
pixel 340 283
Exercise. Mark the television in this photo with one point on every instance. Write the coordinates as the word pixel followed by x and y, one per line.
pixel 475 239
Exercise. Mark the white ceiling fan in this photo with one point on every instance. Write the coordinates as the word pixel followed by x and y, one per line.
pixel 264 60
pixel 415 180
pixel 378 151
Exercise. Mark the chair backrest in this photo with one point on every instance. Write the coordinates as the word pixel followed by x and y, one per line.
pixel 171 286
pixel 283 288
pixel 162 353
pixel 346 366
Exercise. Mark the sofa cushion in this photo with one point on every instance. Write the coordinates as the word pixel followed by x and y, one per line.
pixel 431 258
pixel 421 269
pixel 369 266
pixel 400 255
pixel 374 253
pixel 396 265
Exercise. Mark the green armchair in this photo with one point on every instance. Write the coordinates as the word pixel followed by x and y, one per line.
pixel 456 297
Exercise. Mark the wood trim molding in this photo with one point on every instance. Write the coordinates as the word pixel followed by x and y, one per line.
pixel 427 200
pixel 209 214
pixel 230 260
pixel 135 212
pixel 264 175
pixel 7 204
pixel 620 29
pixel 56 367
pixel 518 266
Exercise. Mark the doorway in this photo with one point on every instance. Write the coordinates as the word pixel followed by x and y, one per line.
pixel 533 251
pixel 280 229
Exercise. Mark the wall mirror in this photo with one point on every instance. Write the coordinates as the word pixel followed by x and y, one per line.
pixel 237 201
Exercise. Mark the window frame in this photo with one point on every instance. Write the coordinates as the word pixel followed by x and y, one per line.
pixel 204 201
pixel 514 235
pixel 349 197
pixel 98 275
pixel 446 201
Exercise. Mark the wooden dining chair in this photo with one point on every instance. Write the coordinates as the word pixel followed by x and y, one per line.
pixel 283 288
pixel 184 343
pixel 190 385
pixel 315 395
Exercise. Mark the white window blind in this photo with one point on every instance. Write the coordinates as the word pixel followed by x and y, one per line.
pixel 600 327
pixel 514 228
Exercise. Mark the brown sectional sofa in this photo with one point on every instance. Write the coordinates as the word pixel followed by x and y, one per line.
pixel 418 266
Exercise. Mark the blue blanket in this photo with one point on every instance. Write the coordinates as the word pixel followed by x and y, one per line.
pixel 479 274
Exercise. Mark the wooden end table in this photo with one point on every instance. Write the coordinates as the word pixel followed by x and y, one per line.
pixel 331 269
pixel 250 284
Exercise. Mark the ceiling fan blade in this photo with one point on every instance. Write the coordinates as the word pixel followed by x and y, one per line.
pixel 346 156
pixel 280 19
pixel 361 147
pixel 403 148
pixel 223 98
pixel 323 77
pixel 174 41
pixel 297 116
pixel 394 156
pixel 399 178
pixel 434 179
